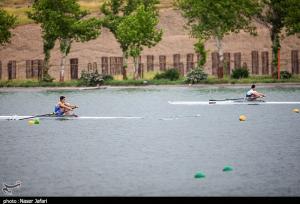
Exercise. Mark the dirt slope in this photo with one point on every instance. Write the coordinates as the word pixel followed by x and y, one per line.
pixel 26 44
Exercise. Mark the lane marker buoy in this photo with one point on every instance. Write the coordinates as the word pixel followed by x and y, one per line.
pixel 36 121
pixel 296 110
pixel 227 168
pixel 242 118
pixel 199 175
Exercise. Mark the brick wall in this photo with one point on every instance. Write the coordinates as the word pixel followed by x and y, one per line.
pixel 258 63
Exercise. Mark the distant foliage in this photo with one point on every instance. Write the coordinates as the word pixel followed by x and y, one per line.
pixel 47 78
pixel 108 77
pixel 200 49
pixel 7 22
pixel 196 75
pixel 91 78
pixel 171 74
pixel 291 20
pixel 239 73
pixel 283 75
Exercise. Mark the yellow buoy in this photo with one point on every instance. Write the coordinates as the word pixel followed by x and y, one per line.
pixel 296 110
pixel 242 118
pixel 31 122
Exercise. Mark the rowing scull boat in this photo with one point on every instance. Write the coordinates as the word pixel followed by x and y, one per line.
pixel 19 117
pixel 232 102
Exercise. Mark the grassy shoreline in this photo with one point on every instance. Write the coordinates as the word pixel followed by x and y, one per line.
pixel 145 82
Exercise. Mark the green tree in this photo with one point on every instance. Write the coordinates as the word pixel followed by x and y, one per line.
pixel 6 23
pixel 217 18
pixel 292 20
pixel 200 49
pixel 63 20
pixel 115 11
pixel 273 17
pixel 137 30
pixel 278 15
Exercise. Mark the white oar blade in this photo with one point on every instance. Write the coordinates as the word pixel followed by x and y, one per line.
pixel 13 117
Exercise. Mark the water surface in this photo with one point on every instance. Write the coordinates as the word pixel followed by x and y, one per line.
pixel 157 155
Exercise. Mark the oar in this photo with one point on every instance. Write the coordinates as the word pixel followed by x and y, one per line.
pixel 66 115
pixel 234 99
pixel 257 99
pixel 227 99
pixel 48 114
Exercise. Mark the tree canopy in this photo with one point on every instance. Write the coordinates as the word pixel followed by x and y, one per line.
pixel 63 20
pixel 208 18
pixel 118 14
pixel 137 30
pixel 7 22
pixel 292 19
pixel 277 15
pixel 216 18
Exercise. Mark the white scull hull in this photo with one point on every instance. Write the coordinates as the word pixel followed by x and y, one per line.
pixel 20 117
pixel 232 102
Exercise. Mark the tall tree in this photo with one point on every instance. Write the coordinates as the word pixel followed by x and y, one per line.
pixel 7 22
pixel 273 17
pixel 63 20
pixel 282 17
pixel 117 10
pixel 217 18
pixel 137 30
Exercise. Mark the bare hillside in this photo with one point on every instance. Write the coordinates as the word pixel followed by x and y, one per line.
pixel 26 44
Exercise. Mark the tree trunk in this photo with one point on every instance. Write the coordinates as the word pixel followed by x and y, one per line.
pixel 136 73
pixel 125 65
pixel 221 57
pixel 65 50
pixel 275 46
pixel 45 66
pixel 62 70
pixel 45 69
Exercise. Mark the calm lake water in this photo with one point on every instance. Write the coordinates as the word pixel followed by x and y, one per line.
pixel 154 156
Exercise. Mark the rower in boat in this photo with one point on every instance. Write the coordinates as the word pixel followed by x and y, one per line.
pixel 63 108
pixel 252 94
